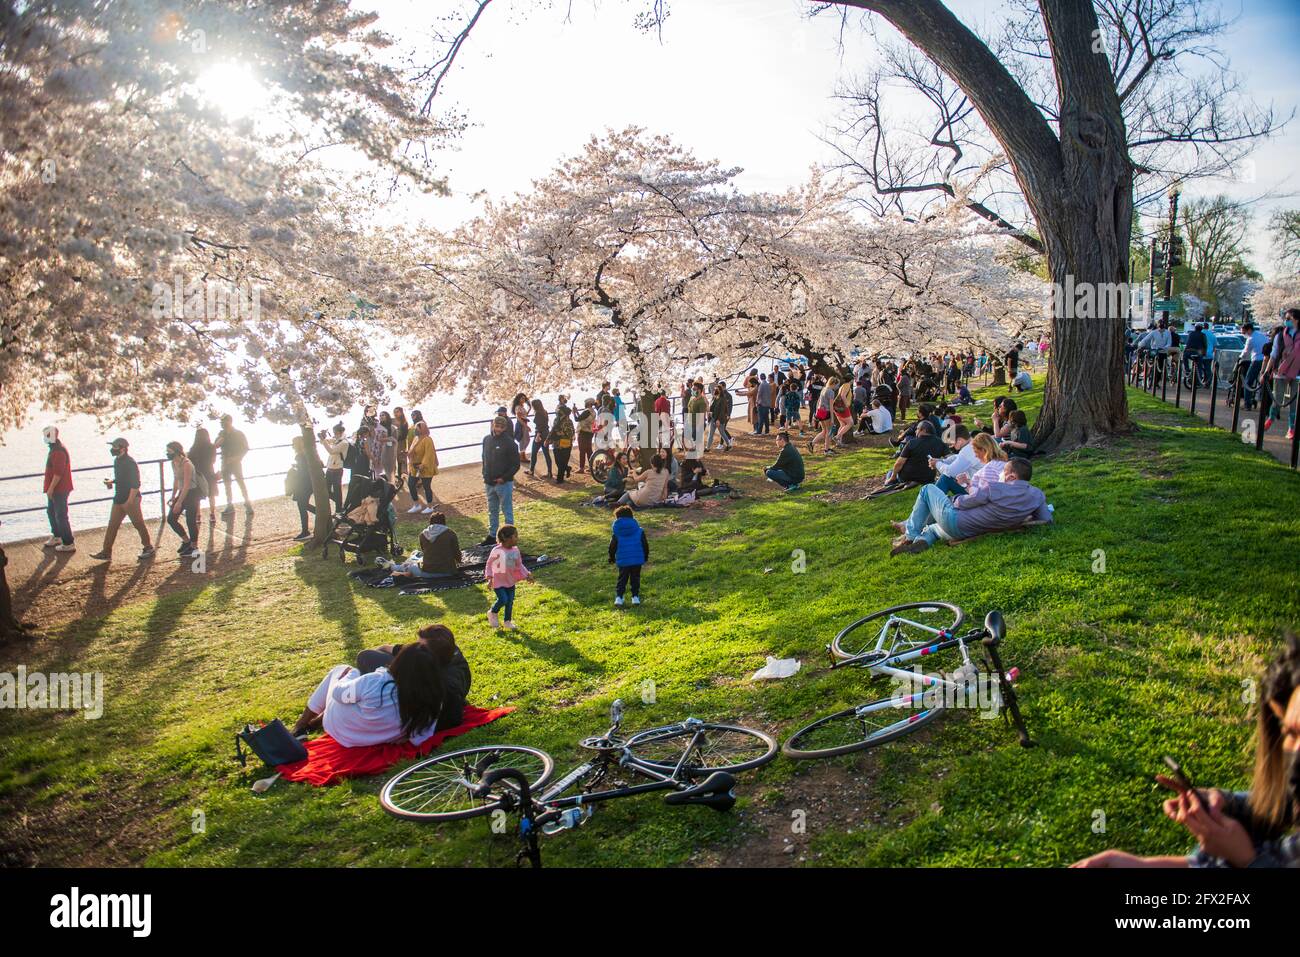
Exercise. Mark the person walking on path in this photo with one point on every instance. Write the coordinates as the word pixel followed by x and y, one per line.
pixel 57 487
pixel 562 440
pixel 188 491
pixel 204 456
pixel 234 446
pixel 500 458
pixel 423 462
pixel 719 416
pixel 126 501
pixel 586 425
pixel 541 439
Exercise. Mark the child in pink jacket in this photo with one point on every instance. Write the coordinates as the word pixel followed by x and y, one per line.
pixel 505 568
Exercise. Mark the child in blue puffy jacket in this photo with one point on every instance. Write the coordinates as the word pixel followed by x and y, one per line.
pixel 629 549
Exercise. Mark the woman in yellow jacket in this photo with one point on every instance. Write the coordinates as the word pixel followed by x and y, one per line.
pixel 422 458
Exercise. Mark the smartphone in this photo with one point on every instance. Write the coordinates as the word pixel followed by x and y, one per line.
pixel 1178 775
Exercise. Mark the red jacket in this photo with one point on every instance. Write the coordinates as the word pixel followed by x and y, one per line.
pixel 58 463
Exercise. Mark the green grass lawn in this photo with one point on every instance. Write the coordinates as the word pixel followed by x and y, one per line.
pixel 1153 656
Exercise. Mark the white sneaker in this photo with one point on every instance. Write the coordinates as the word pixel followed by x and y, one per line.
pixel 510 626
pixel 636 599
pixel 428 510
pixel 53 541
pixel 493 620
pixel 413 509
pixel 618 601
pixel 65 548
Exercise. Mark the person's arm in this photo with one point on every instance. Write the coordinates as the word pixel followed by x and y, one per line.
pixel 613 547
pixel 973 499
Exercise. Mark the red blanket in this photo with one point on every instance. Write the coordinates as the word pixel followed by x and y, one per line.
pixel 328 761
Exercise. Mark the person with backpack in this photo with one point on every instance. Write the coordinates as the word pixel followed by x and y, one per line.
pixel 629 550
pixel 1283 368
pixel 719 415
pixel 561 439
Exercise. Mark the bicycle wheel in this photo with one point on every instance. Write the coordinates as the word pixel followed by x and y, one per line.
pixel 438 788
pixel 856 729
pixel 721 747
pixel 914 625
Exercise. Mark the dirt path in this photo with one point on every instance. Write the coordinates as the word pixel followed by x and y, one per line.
pixel 52 588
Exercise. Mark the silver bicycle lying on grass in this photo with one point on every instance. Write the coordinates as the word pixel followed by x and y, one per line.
pixel 694 760
pixel 898 636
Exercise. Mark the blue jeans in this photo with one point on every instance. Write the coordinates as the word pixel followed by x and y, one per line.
pixel 719 428
pixel 500 498
pixel 933 516
pixel 948 485
pixel 56 509
pixel 764 420
pixel 1252 380
pixel 506 601
pixel 779 477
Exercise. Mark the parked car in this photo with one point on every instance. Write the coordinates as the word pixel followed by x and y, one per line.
pixel 1227 347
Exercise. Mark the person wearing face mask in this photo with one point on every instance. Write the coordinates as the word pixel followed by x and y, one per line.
pixel 1282 369
pixel 58 484
pixel 126 502
pixel 189 489
pixel 1255 828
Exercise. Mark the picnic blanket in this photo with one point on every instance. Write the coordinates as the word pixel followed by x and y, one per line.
pixel 891 488
pixel 1032 523
pixel 469 572
pixel 328 761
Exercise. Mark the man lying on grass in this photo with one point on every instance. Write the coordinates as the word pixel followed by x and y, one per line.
pixel 996 507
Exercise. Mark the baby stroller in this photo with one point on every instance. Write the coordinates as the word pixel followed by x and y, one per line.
pixel 367 521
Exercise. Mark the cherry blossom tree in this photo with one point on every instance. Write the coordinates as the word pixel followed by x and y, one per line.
pixel 159 254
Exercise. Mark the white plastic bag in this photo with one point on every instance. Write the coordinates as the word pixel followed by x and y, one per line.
pixel 777 668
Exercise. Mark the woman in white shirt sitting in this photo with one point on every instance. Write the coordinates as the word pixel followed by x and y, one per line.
pixel 388 705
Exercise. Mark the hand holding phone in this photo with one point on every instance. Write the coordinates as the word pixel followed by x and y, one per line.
pixel 1177 779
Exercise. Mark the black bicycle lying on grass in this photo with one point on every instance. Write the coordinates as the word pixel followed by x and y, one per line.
pixel 694 760
pixel 883 641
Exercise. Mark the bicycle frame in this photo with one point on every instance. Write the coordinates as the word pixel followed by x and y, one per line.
pixel 550 805
pixel 928 683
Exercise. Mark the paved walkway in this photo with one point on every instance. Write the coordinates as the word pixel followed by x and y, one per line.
pixel 52 588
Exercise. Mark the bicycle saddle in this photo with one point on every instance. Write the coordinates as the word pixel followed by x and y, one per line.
pixel 995 629
pixel 715 791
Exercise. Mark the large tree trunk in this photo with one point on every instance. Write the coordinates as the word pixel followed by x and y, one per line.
pixel 1078 187
pixel 10 627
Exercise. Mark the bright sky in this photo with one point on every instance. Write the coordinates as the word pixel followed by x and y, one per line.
pixel 744 81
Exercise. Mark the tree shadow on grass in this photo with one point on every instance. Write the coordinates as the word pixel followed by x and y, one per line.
pixel 334 598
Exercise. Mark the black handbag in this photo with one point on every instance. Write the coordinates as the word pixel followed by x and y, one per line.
pixel 272 742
